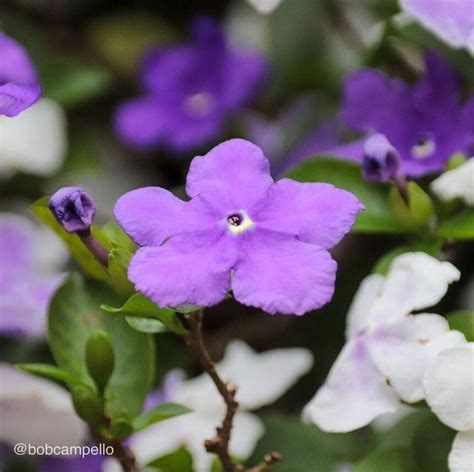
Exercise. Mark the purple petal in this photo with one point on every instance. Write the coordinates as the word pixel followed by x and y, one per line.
pixel 150 215
pixel 280 274
pixel 235 175
pixel 90 463
pixel 316 213
pixel 193 269
pixel 19 87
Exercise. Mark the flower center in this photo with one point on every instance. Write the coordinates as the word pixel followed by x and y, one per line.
pixel 239 222
pixel 424 147
pixel 199 104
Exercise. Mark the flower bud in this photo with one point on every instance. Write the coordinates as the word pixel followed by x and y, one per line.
pixel 74 209
pixel 381 160
pixel 100 358
pixel 87 404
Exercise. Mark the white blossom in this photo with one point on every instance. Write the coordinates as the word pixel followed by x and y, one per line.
pixel 265 6
pixel 456 183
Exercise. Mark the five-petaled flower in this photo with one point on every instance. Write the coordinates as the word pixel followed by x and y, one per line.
pixel 426 123
pixel 19 86
pixel 266 240
pixel 388 349
pixel 190 90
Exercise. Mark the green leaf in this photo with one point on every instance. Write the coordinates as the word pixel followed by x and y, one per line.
pixel 415 216
pixel 460 226
pixel 81 254
pixel 157 414
pixel 463 320
pixel 87 404
pixel 180 460
pixel 118 237
pixel 146 325
pixel 140 306
pixel 73 315
pixel 117 270
pixel 100 358
pixel 347 175
pixel 388 460
pixel 52 372
pixel 431 246
pixel 305 447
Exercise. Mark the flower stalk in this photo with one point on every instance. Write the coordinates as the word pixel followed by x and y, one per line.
pixel 122 453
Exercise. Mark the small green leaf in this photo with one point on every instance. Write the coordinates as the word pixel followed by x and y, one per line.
pixel 87 404
pixel 180 460
pixel 121 428
pixel 52 372
pixel 418 213
pixel 118 237
pixel 117 270
pixel 157 414
pixel 460 226
pixel 85 259
pixel 140 306
pixel 100 358
pixel 463 320
pixel 186 308
pixel 146 325
pixel 347 175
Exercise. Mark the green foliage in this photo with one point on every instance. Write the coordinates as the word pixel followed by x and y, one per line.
pixel 157 414
pixel 140 306
pixel 50 372
pixel 463 320
pixel 180 460
pixel 346 175
pixel 417 214
pixel 306 447
pixel 459 226
pixel 388 460
pixel 117 270
pixel 100 358
pixel 73 316
pixel 87 404
pixel 146 325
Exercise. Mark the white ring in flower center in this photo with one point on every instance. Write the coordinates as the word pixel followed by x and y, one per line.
pixel 423 149
pixel 239 222
pixel 199 104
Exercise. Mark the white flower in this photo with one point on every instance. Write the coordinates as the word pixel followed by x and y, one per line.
pixel 261 379
pixel 36 411
pixel 449 388
pixel 450 20
pixel 388 350
pixel 35 141
pixel 456 183
pixel 265 6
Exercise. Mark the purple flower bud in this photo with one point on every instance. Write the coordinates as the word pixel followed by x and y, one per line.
pixel 381 160
pixel 73 208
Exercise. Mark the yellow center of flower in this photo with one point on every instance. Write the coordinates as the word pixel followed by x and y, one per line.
pixel 239 222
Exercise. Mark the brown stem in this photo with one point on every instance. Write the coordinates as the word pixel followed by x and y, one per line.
pixel 401 184
pixel 268 460
pixel 219 444
pixel 121 452
pixel 95 247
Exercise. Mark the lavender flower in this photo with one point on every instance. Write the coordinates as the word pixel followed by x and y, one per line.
pixel 29 275
pixel 19 86
pixel 381 160
pixel 189 91
pixel 73 208
pixel 267 241
pixel 426 123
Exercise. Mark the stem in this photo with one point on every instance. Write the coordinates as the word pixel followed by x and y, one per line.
pixel 95 247
pixel 219 444
pixel 121 452
pixel 268 460
pixel 401 184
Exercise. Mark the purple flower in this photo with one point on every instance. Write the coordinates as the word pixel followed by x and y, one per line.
pixel 381 160
pixel 189 91
pixel 73 208
pixel 426 122
pixel 266 241
pixel 19 86
pixel 28 275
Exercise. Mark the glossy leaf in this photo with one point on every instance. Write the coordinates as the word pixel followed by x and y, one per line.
pixel 157 414
pixel 51 372
pixel 180 460
pixel 460 226
pixel 146 325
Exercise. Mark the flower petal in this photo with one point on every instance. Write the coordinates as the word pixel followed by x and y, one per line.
pixel 152 214
pixel 264 377
pixel 456 183
pixel 415 281
pixel 235 175
pixel 316 213
pixel 280 274
pixel 369 290
pixel 461 457
pixel 449 384
pixel 354 393
pixel 403 351
pixel 193 268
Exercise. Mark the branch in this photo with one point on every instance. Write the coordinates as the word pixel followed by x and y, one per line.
pixel 122 453
pixel 268 460
pixel 219 444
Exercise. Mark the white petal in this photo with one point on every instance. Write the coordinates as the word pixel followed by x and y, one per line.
pixel 415 281
pixel 261 378
pixel 403 351
pixel 461 457
pixel 36 411
pixel 354 393
pixel 456 183
pixel 449 387
pixel 35 140
pixel 246 432
pixel 369 290
pixel 265 6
